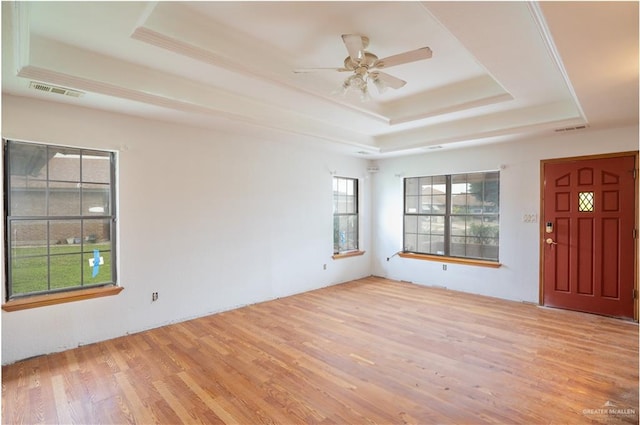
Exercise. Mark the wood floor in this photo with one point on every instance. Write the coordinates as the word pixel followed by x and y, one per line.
pixel 368 351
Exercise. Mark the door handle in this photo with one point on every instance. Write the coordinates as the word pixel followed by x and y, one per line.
pixel 550 241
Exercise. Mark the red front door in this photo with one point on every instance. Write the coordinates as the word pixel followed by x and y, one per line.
pixel 588 235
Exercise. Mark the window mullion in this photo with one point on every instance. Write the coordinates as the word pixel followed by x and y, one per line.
pixel 8 240
pixel 356 199
pixel 46 212
pixel 48 255
pixel 80 213
pixel 112 213
pixel 447 217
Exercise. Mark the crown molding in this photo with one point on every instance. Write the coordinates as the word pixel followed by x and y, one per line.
pixel 545 33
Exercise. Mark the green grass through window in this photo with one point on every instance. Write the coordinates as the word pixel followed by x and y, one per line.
pixel 67 267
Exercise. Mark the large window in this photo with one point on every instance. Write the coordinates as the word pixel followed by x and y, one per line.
pixel 60 218
pixel 453 215
pixel 345 215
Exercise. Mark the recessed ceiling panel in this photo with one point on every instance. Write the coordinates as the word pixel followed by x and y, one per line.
pixel 498 70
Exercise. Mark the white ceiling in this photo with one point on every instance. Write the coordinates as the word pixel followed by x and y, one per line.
pixel 499 71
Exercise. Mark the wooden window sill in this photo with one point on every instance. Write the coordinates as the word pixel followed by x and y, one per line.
pixel 347 254
pixel 60 298
pixel 454 260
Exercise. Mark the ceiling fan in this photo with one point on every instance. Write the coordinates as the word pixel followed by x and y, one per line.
pixel 365 66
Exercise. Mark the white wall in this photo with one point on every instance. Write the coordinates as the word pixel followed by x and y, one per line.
pixel 213 221
pixel 518 278
pixel 208 220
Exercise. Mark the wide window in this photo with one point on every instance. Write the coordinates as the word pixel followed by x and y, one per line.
pixel 59 217
pixel 453 215
pixel 345 215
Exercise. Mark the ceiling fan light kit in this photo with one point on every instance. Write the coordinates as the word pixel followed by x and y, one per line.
pixel 363 63
pixel 358 81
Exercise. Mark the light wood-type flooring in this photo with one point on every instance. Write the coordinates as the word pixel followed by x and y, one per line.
pixel 363 352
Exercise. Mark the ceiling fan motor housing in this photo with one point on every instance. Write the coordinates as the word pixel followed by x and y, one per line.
pixel 367 62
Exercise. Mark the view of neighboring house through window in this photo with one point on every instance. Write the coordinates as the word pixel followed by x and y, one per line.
pixel 345 214
pixel 60 218
pixel 453 215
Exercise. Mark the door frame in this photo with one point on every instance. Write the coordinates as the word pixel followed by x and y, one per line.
pixel 543 162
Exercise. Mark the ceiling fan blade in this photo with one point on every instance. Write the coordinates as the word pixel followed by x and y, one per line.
pixel 406 57
pixel 387 80
pixel 306 70
pixel 354 45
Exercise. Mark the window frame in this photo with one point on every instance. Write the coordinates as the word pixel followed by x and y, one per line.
pixel 63 294
pixel 356 213
pixel 447 217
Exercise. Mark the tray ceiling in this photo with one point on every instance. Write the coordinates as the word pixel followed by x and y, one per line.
pixel 499 71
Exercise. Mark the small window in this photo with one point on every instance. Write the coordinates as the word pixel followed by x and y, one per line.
pixel 585 201
pixel 453 215
pixel 59 218
pixel 345 215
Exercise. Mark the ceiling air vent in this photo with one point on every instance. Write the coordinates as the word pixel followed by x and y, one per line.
pixel 55 89
pixel 561 130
